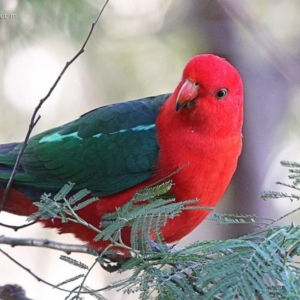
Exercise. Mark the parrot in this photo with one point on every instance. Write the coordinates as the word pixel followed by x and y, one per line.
pixel 118 149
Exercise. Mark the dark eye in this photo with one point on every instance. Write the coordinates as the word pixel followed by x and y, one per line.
pixel 221 94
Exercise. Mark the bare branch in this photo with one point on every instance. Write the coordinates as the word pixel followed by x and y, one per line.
pixel 45 243
pixel 16 228
pixel 31 273
pixel 109 263
pixel 44 281
pixel 35 118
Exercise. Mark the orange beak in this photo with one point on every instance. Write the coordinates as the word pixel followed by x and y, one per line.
pixel 187 94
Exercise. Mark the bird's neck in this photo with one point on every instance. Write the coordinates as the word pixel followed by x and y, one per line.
pixel 205 161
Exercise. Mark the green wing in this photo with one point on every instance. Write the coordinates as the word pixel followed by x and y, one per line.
pixel 106 150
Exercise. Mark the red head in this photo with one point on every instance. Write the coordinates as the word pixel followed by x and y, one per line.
pixel 210 95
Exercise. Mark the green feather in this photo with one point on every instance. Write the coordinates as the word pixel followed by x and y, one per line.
pixel 106 150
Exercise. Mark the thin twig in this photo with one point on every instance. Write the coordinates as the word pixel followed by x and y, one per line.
pixel 77 219
pixel 35 118
pixel 85 278
pixel 16 228
pixel 39 279
pixel 283 217
pixel 31 273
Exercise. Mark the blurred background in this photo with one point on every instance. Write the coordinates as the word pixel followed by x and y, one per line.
pixel 138 49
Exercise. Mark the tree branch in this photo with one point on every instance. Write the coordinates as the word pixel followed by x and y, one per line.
pixel 35 118
pixel 45 243
pixel 44 281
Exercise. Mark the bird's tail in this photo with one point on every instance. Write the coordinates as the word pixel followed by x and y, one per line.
pixel 16 202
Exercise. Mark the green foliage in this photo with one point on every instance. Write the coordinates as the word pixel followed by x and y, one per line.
pixel 74 262
pixel 137 216
pixel 252 267
pixel 70 280
pixel 58 206
pixel 294 175
pixel 260 265
pixel 226 219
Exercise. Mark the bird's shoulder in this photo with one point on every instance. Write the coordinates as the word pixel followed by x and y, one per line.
pixel 118 117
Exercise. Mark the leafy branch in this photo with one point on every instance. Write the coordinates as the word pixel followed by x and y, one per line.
pixel 134 214
pixel 259 265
